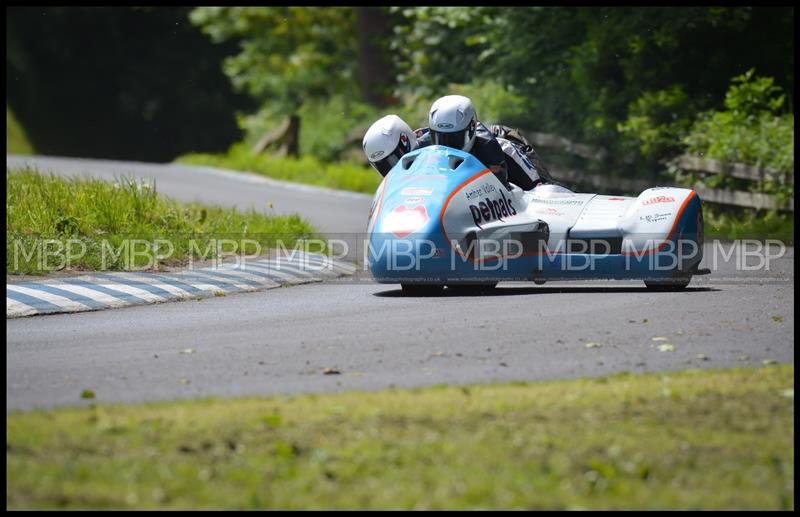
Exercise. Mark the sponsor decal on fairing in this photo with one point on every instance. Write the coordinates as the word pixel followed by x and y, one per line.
pixel 658 199
pixel 405 220
pixel 488 210
pixel 416 191
pixel 657 217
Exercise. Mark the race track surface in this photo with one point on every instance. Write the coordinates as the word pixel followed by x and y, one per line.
pixel 355 334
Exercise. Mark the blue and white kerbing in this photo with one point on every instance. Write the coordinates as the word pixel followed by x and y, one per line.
pixel 114 289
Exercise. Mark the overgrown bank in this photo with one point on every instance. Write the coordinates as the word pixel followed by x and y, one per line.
pixel 54 223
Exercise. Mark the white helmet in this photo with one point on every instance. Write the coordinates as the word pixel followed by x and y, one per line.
pixel 453 122
pixel 386 141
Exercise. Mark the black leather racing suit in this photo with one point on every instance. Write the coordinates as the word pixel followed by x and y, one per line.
pixel 486 149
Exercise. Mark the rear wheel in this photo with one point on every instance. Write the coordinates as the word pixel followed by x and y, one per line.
pixel 671 284
pixel 422 289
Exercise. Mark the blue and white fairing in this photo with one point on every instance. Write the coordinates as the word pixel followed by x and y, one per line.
pixel 441 216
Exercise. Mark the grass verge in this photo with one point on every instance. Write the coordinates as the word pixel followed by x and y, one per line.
pixel 695 439
pixel 309 170
pixel 749 224
pixel 16 140
pixel 54 223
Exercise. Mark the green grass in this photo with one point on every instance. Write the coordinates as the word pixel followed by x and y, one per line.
pixel 749 224
pixel 102 218
pixel 307 169
pixel 16 140
pixel 695 439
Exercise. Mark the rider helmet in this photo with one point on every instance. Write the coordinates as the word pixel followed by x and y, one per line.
pixel 386 141
pixel 453 122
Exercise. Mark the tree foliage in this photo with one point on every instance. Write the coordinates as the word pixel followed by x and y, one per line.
pixel 657 122
pixel 631 79
pixel 581 68
pixel 287 55
pixel 754 127
pixel 118 82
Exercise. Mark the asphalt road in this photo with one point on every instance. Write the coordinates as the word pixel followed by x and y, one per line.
pixel 284 340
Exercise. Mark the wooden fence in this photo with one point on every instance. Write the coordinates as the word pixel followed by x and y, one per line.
pixel 683 162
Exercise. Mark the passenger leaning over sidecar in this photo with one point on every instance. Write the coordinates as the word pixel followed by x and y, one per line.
pixel 386 141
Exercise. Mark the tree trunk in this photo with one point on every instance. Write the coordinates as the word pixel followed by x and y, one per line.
pixel 286 136
pixel 374 66
pixel 292 142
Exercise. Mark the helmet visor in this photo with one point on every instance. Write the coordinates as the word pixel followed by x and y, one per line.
pixel 454 140
pixel 385 164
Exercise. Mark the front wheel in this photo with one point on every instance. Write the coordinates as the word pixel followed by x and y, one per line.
pixel 422 289
pixel 672 284
pixel 472 288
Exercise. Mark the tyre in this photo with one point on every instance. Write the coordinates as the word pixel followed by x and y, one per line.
pixel 671 284
pixel 682 276
pixel 468 289
pixel 422 289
